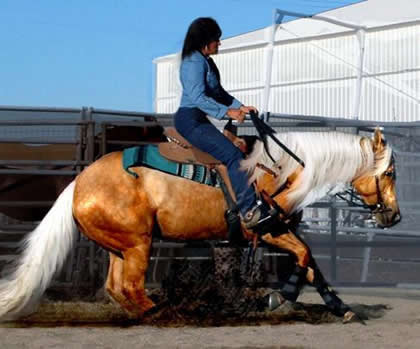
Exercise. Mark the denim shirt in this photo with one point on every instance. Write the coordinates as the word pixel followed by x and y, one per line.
pixel 201 87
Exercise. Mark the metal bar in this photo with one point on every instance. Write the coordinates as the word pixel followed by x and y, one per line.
pixel 346 122
pixel 26 203
pixel 42 122
pixel 129 142
pixel 79 149
pixel 103 138
pixel 132 123
pixel 364 284
pixel 39 109
pixel 38 141
pixel 17 228
pixel 42 163
pixel 366 258
pixel 364 243
pixel 333 244
pixel 90 137
pixel 129 113
pixel 91 252
pixel 379 232
pixel 41 172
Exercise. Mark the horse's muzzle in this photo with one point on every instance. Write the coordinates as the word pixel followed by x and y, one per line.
pixel 387 221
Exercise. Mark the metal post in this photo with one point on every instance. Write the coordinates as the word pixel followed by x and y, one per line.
pixel 366 258
pixel 81 141
pixel 90 136
pixel 333 241
pixel 277 19
pixel 103 139
pixel 360 34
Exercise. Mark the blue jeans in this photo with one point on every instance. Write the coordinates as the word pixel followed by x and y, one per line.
pixel 195 127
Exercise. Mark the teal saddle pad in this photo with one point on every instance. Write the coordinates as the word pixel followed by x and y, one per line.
pixel 149 156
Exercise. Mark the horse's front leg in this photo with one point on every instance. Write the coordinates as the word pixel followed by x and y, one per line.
pixel 315 278
pixel 306 270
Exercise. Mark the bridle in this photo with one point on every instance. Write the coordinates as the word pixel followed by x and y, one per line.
pixel 379 207
pixel 265 130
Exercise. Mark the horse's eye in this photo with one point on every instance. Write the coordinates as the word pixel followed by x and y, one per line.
pixel 390 174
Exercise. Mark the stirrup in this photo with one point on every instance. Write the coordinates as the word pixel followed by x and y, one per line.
pixel 260 216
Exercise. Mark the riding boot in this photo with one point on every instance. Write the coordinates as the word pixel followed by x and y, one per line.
pixel 294 284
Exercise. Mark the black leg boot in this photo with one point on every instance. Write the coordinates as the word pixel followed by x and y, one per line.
pixel 332 301
pixel 294 284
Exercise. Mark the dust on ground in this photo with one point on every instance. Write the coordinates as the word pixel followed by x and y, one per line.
pixel 392 321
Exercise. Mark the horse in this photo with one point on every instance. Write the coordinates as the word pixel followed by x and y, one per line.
pixel 120 213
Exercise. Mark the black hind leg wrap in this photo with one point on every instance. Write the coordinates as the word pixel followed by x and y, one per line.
pixel 294 284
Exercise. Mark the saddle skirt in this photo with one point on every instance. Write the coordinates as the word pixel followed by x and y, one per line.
pixel 149 156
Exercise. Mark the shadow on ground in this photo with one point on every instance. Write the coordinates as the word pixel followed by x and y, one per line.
pixel 54 314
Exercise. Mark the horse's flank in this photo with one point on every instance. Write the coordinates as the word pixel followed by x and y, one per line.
pixel 332 159
pixel 182 209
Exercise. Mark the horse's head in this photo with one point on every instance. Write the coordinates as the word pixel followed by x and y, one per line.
pixel 377 187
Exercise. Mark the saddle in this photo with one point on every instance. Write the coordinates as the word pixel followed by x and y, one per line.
pixel 178 149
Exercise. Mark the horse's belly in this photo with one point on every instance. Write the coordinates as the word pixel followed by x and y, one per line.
pixel 185 209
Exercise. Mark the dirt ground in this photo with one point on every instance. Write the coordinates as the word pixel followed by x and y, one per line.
pixel 397 327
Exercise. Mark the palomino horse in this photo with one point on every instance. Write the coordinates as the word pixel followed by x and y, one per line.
pixel 120 213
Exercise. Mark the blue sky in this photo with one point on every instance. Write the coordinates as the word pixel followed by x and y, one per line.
pixel 73 53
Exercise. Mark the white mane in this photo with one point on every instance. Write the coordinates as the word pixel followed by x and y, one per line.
pixel 332 160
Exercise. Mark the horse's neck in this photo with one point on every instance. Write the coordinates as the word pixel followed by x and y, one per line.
pixel 332 160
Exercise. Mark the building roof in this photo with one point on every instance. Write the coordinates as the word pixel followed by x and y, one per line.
pixel 369 14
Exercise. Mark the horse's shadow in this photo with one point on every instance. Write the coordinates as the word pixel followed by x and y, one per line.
pixel 202 312
pixel 319 313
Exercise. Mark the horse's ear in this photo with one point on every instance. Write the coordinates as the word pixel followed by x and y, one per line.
pixel 378 141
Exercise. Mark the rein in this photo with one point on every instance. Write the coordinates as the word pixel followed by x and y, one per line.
pixel 265 130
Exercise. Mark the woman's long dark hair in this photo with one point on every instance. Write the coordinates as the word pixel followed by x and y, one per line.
pixel 200 33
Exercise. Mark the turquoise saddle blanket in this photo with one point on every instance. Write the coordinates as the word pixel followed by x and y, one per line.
pixel 149 156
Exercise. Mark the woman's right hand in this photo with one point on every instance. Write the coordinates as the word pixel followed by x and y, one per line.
pixel 236 114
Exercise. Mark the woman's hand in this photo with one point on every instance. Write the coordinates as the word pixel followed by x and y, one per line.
pixel 236 114
pixel 248 109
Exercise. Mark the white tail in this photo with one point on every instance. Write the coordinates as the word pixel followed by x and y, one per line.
pixel 44 252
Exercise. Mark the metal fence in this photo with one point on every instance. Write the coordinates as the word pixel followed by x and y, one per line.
pixel 349 249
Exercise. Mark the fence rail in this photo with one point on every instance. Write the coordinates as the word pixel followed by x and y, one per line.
pixel 88 132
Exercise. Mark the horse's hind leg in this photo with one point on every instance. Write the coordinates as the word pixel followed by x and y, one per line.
pixel 114 281
pixel 136 260
pixel 291 243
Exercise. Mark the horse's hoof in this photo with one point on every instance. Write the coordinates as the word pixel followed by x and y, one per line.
pixel 352 317
pixel 275 300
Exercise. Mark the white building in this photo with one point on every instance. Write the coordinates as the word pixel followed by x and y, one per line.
pixel 315 65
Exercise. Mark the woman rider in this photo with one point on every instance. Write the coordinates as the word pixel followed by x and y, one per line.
pixel 203 95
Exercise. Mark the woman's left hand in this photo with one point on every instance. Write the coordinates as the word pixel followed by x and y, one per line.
pixel 248 109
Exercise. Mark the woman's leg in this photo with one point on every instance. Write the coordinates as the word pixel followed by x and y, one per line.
pixel 195 127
